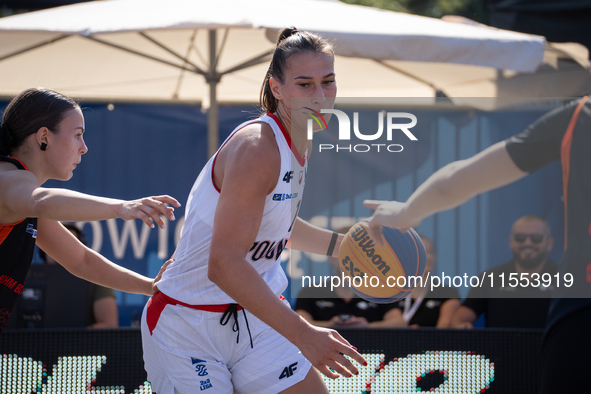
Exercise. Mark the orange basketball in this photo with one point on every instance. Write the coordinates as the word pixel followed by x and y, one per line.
pixel 382 274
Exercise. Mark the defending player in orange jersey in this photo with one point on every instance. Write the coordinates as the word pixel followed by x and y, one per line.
pixel 41 138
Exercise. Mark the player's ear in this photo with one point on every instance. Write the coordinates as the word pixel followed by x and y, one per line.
pixel 274 85
pixel 41 136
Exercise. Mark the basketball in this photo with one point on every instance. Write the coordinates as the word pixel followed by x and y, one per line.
pixel 382 274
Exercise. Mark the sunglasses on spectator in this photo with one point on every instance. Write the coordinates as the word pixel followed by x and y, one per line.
pixel 535 238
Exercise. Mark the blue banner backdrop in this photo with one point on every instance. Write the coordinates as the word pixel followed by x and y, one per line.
pixel 137 150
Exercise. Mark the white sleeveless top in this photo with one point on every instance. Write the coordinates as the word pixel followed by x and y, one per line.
pixel 186 280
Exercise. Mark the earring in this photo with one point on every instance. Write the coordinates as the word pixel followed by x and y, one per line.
pixel 43 146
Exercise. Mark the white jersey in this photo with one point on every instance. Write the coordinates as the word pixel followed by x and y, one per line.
pixel 186 280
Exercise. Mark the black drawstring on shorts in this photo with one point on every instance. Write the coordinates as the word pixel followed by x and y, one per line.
pixel 232 310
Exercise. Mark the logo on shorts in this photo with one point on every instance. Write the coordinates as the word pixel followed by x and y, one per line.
pixel 288 371
pixel 205 384
pixel 200 367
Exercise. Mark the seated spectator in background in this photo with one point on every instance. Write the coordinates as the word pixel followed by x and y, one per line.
pixel 103 313
pixel 342 307
pixel 426 308
pixel 530 242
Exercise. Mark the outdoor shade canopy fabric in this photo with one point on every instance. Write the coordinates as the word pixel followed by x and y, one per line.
pixel 219 51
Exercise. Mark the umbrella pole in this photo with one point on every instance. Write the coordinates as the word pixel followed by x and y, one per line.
pixel 213 78
pixel 212 121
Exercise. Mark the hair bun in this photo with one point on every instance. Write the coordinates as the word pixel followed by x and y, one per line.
pixel 286 33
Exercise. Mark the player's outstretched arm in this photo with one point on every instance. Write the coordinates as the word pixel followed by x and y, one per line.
pixel 447 188
pixel 313 239
pixel 55 240
pixel 20 192
pixel 251 165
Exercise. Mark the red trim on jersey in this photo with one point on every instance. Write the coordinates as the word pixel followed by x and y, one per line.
pixel 14 158
pixel 567 141
pixel 5 229
pixel 224 144
pixel 300 159
pixel 159 300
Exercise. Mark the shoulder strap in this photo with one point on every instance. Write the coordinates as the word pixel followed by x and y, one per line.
pixel 14 161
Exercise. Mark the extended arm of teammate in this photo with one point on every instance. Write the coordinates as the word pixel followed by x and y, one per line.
pixel 21 194
pixel 59 243
pixel 248 167
pixel 447 188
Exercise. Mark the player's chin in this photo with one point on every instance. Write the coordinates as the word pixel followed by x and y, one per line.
pixel 66 176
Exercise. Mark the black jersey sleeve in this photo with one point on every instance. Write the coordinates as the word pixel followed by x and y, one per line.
pixel 540 143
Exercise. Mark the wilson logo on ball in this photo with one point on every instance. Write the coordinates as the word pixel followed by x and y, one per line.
pixel 382 274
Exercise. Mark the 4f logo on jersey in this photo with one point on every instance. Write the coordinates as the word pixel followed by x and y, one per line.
pixel 288 371
pixel 200 366
pixel 288 176
pixel 31 230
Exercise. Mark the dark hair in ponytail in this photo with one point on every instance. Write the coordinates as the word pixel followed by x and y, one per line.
pixel 290 41
pixel 29 111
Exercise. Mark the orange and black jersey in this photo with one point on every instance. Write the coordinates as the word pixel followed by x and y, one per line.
pixel 565 134
pixel 17 244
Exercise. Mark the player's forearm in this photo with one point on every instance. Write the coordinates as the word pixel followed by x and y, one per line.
pixel 438 193
pixel 459 181
pixel 320 323
pixel 312 239
pixel 67 205
pixel 97 269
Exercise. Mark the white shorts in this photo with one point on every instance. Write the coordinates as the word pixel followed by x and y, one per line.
pixel 189 351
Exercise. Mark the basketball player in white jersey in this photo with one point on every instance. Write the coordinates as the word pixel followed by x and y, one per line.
pixel 218 322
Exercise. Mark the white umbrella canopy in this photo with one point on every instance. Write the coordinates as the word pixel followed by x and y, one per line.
pixel 218 51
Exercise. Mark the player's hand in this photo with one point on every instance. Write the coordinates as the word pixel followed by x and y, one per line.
pixel 159 276
pixel 326 350
pixel 388 213
pixel 465 325
pixel 149 209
